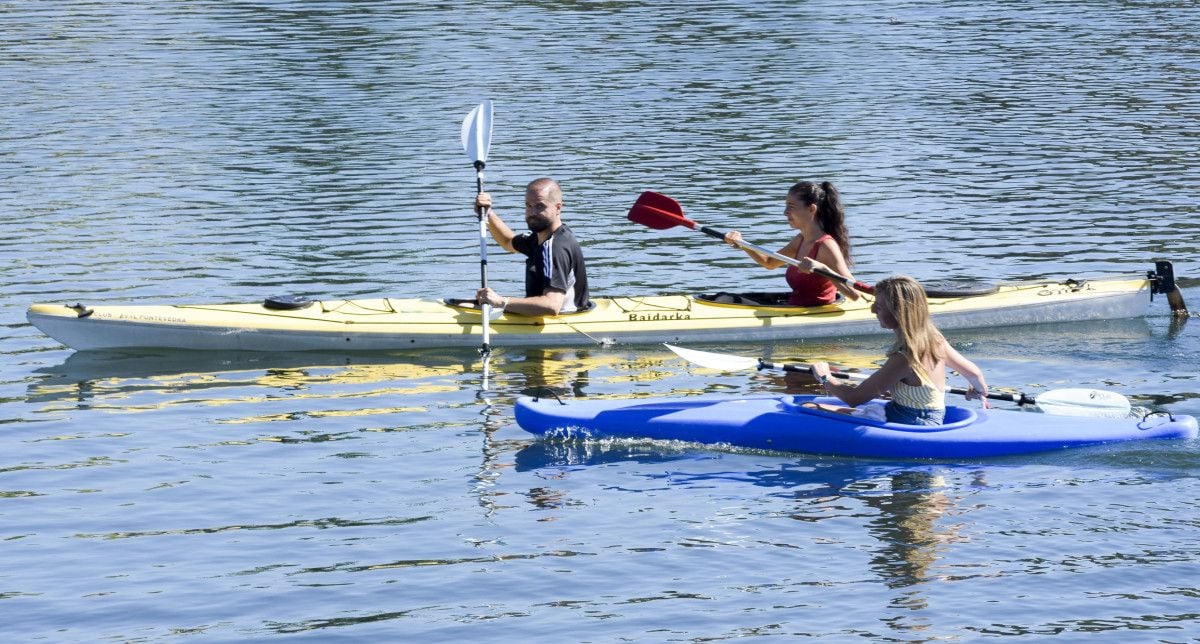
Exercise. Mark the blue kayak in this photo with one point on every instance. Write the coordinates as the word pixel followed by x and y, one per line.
pixel 780 423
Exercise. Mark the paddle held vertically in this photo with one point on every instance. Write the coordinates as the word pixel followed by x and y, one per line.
pixel 476 139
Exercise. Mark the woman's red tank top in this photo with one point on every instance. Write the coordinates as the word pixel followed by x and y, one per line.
pixel 810 289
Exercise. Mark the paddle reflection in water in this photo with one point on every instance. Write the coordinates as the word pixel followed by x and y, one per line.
pixel 526 369
pixel 483 482
pixel 561 372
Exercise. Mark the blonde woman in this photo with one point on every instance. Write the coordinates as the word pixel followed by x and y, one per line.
pixel 915 371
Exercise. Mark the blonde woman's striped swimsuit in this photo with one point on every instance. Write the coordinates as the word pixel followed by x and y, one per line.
pixel 921 404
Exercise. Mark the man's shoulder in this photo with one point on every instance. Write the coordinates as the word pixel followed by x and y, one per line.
pixel 564 234
pixel 525 242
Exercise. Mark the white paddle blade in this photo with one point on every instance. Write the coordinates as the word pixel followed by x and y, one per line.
pixel 1083 402
pixel 718 361
pixel 477 131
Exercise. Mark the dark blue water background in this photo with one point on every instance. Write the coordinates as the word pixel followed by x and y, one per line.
pixel 225 151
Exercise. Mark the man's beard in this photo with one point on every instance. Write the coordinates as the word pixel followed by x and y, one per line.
pixel 538 223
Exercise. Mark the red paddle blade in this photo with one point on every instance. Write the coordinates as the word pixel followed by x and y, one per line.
pixel 658 211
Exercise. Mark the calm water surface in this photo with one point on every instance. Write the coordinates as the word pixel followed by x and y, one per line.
pixel 189 151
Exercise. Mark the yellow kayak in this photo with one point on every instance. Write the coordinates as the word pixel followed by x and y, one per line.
pixel 390 323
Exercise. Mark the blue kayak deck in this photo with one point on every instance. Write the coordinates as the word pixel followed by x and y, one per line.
pixel 774 422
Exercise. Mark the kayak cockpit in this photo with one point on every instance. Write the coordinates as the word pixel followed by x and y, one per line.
pixel 956 417
pixel 473 306
pixel 773 299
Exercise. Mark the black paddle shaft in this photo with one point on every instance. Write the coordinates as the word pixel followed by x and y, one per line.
pixel 830 275
pixel 1020 399
pixel 479 166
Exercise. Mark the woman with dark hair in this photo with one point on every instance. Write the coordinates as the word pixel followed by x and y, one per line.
pixel 814 209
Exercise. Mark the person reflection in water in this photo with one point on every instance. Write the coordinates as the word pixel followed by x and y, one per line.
pixel 907 525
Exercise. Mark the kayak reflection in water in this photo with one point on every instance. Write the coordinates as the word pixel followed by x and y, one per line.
pixel 915 371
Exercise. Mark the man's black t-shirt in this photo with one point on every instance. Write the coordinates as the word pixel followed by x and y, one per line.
pixel 557 264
